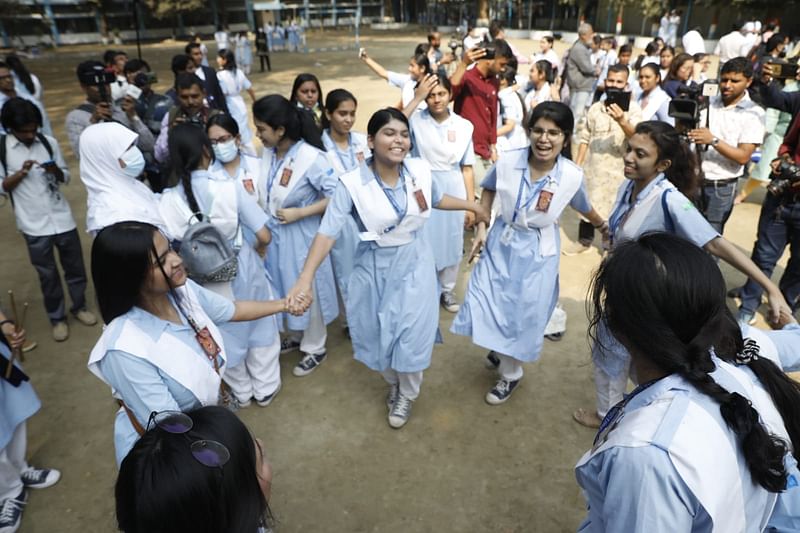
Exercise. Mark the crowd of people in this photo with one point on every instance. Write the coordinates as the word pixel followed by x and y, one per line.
pixel 210 260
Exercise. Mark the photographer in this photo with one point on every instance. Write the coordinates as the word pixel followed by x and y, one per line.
pixel 98 107
pixel 32 170
pixel 150 106
pixel 602 145
pixel 191 109
pixel 735 129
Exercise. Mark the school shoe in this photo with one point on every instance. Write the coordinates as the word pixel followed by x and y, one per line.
pixel 308 364
pixel 11 512
pixel 60 331
pixel 86 317
pixel 29 345
pixel 502 391
pixel 555 337
pixel 391 396
pixel 400 411
pixel 492 361
pixel 575 248
pixel 289 345
pixel 238 404
pixel 40 478
pixel 266 400
pixel 448 300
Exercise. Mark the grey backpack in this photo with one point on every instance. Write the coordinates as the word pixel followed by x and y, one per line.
pixel 207 254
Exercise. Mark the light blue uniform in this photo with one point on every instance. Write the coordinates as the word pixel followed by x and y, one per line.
pixel 343 253
pixel 392 301
pixel 17 404
pixel 514 288
pixel 287 252
pixel 787 343
pixel 141 384
pixel 628 222
pixel 436 143
pixel 638 485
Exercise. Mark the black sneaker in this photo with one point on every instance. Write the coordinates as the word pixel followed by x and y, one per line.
pixel 400 411
pixel 289 345
pixel 266 400
pixel 35 478
pixel 555 337
pixel 501 391
pixel 391 396
pixel 492 361
pixel 308 364
pixel 11 512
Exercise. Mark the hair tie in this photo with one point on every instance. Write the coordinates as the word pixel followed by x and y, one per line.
pixel 749 352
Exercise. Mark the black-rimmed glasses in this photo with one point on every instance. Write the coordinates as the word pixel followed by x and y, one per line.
pixel 210 453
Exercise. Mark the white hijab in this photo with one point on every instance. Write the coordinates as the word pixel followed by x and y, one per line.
pixel 112 196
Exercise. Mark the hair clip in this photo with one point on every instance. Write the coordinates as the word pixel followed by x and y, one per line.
pixel 749 352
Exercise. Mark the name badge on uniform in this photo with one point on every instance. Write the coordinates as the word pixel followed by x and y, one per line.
pixel 286 175
pixel 248 185
pixel 545 198
pixel 451 136
pixel 506 236
pixel 421 202
pixel 360 157
pixel 207 342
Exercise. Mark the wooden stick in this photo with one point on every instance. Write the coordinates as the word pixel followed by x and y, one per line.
pixel 16 351
pixel 20 327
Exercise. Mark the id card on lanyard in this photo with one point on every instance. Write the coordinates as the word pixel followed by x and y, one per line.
pixel 545 188
pixel 419 197
pixel 286 174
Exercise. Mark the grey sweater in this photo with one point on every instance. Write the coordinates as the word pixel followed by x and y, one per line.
pixel 580 71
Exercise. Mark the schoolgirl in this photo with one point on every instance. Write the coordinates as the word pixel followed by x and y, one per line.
pixel 708 440
pixel 662 173
pixel 299 181
pixel 542 75
pixel 418 68
pixel 253 348
pixel 651 97
pixel 444 140
pixel 511 118
pixel 514 287
pixel 679 75
pixel 307 94
pixel 391 301
pixel 232 160
pixel 233 81
pixel 346 150
pixel 161 349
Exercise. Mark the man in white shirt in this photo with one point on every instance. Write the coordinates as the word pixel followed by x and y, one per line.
pixel 32 168
pixel 736 128
pixel 730 45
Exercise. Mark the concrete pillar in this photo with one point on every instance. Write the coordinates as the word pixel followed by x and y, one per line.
pixel 48 11
pixel 251 16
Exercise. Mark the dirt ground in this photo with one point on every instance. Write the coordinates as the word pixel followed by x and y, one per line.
pixel 459 464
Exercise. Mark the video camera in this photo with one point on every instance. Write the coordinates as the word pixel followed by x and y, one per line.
pixel 687 107
pixel 782 69
pixel 787 176
pixel 143 79
pixel 99 77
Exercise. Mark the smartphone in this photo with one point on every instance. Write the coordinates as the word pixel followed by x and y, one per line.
pixel 362 52
pixel 133 91
pixel 619 97
pixel 490 52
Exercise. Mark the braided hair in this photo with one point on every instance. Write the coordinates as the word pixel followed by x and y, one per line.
pixel 665 299
pixel 187 144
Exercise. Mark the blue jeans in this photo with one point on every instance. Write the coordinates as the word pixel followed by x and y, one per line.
pixel 716 203
pixel 778 225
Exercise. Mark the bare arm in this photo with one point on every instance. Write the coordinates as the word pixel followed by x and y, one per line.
pixel 253 310
pixel 582 149
pixel 723 249
pixel 421 93
pixel 288 215
pixel 252 94
pixel 375 66
pixel 469 56
pixel 507 127
pixel 299 297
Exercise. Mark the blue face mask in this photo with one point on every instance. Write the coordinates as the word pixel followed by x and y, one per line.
pixel 227 151
pixel 134 162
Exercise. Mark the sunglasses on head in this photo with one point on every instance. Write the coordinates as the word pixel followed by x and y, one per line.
pixel 210 453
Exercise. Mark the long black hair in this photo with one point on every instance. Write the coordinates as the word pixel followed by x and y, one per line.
pixel 665 299
pixel 684 171
pixel 230 59
pixel 15 64
pixel 334 99
pixel 224 121
pixel 162 488
pixel 543 66
pixel 121 259
pixel 561 115
pixel 278 112
pixel 300 80
pixel 187 144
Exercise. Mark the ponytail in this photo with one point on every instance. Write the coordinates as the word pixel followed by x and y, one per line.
pixel 666 298
pixel 684 171
pixel 187 142
pixel 298 123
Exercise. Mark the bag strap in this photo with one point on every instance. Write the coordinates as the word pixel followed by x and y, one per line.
pixel 3 154
pixel 45 143
pixel 135 423
pixel 670 224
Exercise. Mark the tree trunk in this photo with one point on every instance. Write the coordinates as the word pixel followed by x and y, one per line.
pixel 483 13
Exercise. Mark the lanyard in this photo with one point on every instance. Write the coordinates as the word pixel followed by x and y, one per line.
pixel 625 208
pixel 350 153
pixel 277 164
pixel 616 413
pixel 401 213
pixel 537 188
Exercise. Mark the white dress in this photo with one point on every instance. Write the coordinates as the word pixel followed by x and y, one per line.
pixel 233 82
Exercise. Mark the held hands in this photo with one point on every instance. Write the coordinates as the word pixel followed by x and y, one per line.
pixel 469 219
pixel 299 298
pixel 482 214
pixel 477 243
pixel 289 214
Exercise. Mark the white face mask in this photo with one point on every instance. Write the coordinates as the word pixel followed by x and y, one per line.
pixel 134 162
pixel 227 151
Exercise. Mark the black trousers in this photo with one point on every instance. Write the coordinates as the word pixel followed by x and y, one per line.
pixel 70 255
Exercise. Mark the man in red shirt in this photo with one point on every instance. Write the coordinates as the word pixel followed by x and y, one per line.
pixel 475 99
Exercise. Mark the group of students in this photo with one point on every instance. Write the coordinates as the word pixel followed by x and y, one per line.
pixel 328 215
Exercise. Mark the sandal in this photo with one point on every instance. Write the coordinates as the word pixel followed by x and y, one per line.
pixel 586 418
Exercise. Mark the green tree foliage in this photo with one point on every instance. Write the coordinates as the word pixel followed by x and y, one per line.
pixel 167 8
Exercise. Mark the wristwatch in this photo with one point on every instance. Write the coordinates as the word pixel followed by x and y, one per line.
pixel 714 141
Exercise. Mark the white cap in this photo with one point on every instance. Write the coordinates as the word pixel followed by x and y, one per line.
pixel 693 43
pixel 758 26
pixel 749 27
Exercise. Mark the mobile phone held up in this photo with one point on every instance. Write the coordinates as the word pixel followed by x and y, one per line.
pixel 619 97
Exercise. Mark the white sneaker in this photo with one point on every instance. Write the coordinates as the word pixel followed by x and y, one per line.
pixel 266 400
pixel 401 410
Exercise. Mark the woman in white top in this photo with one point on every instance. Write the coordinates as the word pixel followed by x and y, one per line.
pixel 418 68
pixel 110 164
pixel 233 81
pixel 546 53
pixel 542 76
pixel 511 118
pixel 653 100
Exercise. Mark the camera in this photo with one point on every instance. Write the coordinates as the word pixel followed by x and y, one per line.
pixel 786 177
pixel 688 106
pixel 454 44
pixel 490 51
pixel 145 78
pixel 782 69
pixel 98 77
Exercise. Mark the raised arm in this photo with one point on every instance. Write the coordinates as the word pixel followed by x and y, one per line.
pixel 421 93
pixel 374 65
